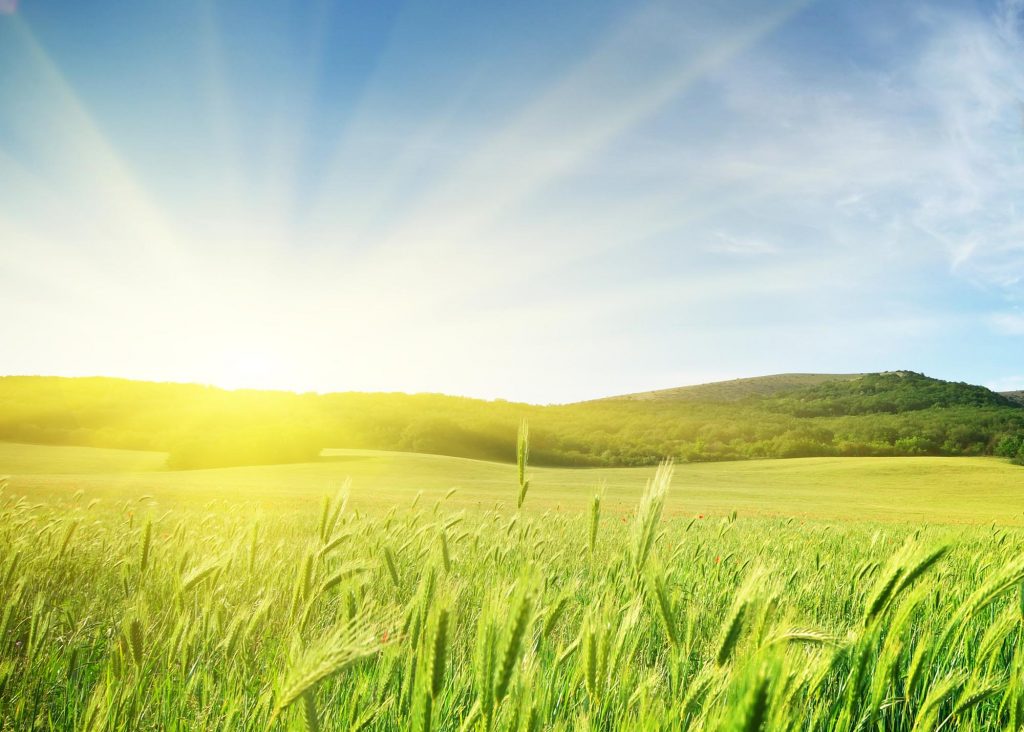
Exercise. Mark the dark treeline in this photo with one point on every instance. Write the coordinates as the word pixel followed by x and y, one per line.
pixel 898 413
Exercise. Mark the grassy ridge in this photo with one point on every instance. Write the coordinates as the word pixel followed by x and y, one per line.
pixel 736 390
pixel 130 614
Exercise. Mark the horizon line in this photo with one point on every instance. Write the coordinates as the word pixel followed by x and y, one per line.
pixel 211 385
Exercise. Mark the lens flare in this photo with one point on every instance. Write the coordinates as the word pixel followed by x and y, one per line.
pixel 8 7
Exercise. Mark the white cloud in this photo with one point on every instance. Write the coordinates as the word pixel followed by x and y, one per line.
pixel 924 158
pixel 972 78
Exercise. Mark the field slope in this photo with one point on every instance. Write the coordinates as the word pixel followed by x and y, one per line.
pixel 925 489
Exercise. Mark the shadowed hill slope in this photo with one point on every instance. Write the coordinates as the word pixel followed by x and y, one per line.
pixel 1014 396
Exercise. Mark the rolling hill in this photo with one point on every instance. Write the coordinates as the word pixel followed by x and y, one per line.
pixel 899 413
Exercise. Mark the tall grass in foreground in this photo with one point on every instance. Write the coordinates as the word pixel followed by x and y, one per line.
pixel 131 618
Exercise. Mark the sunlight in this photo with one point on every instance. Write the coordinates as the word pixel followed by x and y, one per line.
pixel 100 180
pixel 350 350
pixel 248 369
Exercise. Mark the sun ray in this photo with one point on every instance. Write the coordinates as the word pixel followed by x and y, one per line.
pixel 87 160
pixel 574 120
pixel 221 110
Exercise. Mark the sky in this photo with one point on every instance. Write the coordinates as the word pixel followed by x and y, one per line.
pixel 543 201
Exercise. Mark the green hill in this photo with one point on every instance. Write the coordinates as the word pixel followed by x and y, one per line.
pixel 891 392
pixel 790 415
pixel 736 390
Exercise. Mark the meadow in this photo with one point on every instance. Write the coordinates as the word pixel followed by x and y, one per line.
pixel 947 490
pixel 452 594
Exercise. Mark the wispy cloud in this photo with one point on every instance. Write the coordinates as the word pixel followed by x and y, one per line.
pixel 1008 323
pixel 926 155
pixel 728 244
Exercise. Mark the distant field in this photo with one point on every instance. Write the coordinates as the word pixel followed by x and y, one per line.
pixel 18 459
pixel 926 489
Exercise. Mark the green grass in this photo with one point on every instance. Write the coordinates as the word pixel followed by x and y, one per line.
pixel 925 489
pixel 249 599
pixel 19 459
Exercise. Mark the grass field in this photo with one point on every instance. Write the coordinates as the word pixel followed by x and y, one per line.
pixel 942 490
pixel 133 598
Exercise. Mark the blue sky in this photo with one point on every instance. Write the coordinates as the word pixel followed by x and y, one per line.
pixel 542 201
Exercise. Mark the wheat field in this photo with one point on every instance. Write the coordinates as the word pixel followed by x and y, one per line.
pixel 426 616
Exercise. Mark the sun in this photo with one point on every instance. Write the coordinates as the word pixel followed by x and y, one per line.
pixel 247 369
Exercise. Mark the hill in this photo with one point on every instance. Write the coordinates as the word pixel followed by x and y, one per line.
pixel 1014 396
pixel 791 415
pixel 888 392
pixel 735 390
